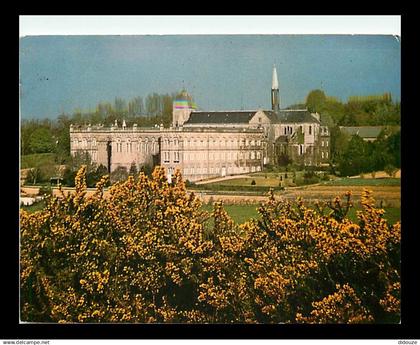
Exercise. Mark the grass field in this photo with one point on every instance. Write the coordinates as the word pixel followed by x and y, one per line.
pixel 259 181
pixel 241 213
pixel 29 161
pixel 364 182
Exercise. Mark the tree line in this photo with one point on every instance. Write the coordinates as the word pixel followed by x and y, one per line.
pixel 350 154
pixel 52 135
pixel 371 110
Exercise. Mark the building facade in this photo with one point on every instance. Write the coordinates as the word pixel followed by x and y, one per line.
pixel 205 144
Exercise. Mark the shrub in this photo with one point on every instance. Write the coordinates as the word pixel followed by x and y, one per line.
pixel 143 254
pixel 390 170
pixel 45 190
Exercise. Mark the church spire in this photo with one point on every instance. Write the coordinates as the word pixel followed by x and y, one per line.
pixel 275 83
pixel 275 97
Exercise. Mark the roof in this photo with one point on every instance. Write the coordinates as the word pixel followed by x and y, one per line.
pixel 224 117
pixel 198 117
pixel 366 131
pixel 298 115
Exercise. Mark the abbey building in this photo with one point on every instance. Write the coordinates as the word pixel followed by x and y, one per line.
pixel 205 144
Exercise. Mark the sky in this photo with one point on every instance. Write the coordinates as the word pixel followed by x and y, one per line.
pixel 222 72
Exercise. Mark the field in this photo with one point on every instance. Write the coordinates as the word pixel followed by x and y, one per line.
pixel 242 203
pixel 364 182
pixel 241 213
pixel 38 159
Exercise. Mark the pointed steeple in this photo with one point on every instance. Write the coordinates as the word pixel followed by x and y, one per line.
pixel 275 97
pixel 275 83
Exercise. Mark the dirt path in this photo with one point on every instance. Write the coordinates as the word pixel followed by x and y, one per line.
pixel 218 179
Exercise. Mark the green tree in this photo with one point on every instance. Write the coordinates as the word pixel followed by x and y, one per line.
pixel 133 169
pixel 315 100
pixel 41 141
pixel 390 170
pixel 118 175
pixel 354 159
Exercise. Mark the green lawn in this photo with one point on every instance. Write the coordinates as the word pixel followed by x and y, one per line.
pixel 39 159
pixel 259 181
pixel 241 213
pixel 365 182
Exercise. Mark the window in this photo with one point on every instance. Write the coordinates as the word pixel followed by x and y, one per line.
pixel 326 154
pixel 322 143
pixel 285 130
pixel 327 143
pixel 310 130
pixel 166 157
pixel 322 154
pixel 176 157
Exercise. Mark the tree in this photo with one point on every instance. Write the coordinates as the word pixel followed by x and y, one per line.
pixel 390 170
pixel 315 100
pixel 283 159
pixel 355 159
pixel 133 169
pixel 119 174
pixel 146 169
pixel 41 141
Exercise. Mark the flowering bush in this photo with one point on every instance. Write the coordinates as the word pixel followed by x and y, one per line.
pixel 145 254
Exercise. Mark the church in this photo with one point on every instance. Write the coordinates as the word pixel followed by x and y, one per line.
pixel 207 144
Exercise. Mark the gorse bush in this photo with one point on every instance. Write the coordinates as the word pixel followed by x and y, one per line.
pixel 144 255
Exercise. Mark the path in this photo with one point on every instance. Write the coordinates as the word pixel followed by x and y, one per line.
pixel 217 179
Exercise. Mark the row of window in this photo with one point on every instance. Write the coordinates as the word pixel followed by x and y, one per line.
pixel 324 130
pixel 324 155
pixel 205 143
pixel 166 156
pixel 84 144
pixel 322 143
pixel 198 156
pixel 225 170
pixel 139 147
pixel 93 154
pixel 289 130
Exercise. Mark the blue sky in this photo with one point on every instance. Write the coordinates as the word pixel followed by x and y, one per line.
pixel 62 73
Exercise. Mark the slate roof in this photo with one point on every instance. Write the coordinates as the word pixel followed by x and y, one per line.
pixel 225 117
pixel 221 117
pixel 301 115
pixel 288 115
